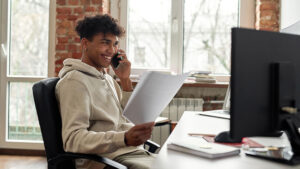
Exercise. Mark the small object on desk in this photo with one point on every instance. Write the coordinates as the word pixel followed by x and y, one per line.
pixel 202 149
pixel 272 148
pixel 272 153
pixel 245 142
pixel 201 134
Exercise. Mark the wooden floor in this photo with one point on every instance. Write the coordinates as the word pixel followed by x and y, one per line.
pixel 22 162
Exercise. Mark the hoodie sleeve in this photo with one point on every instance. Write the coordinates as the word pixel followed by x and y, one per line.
pixel 123 96
pixel 75 109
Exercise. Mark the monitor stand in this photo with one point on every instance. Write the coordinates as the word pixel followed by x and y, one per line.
pixel 285 104
pixel 224 137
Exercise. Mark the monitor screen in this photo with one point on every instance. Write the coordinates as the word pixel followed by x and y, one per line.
pixel 253 53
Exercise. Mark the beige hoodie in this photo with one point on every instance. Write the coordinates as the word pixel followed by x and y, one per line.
pixel 91 106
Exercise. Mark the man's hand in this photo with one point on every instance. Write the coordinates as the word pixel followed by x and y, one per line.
pixel 123 71
pixel 124 68
pixel 138 134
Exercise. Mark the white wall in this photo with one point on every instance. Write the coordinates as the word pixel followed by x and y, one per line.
pixel 290 12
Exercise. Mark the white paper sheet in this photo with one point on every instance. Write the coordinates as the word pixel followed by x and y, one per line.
pixel 151 95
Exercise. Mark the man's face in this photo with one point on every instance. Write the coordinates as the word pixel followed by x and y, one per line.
pixel 101 49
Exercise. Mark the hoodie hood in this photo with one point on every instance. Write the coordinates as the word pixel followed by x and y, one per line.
pixel 76 64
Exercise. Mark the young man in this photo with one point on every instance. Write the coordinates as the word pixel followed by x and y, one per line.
pixel 91 102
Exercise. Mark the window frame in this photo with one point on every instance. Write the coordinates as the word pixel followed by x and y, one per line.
pixel 119 10
pixel 5 79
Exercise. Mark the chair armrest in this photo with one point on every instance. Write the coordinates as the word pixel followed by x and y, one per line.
pixel 72 156
pixel 152 146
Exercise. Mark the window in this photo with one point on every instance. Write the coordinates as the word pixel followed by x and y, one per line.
pixel 149 33
pixel 24 60
pixel 181 35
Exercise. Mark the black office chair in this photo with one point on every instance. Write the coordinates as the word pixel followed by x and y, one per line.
pixel 50 124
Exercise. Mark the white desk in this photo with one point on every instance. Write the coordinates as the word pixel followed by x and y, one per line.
pixel 190 122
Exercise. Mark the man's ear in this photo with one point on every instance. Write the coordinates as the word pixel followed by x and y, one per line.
pixel 84 43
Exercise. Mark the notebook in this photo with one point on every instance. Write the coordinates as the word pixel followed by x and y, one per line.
pixel 203 148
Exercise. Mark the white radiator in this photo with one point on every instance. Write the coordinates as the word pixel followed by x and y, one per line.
pixel 174 112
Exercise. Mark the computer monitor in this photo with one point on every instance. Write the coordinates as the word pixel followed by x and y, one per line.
pixel 265 77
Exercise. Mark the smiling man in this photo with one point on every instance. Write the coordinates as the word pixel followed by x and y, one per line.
pixel 91 102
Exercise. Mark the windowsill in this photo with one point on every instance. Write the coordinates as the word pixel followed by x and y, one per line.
pixel 210 85
pixel 194 84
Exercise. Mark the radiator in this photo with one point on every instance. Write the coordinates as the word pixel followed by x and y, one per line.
pixel 174 112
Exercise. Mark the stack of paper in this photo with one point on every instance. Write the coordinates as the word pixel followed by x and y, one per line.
pixel 201 76
pixel 203 149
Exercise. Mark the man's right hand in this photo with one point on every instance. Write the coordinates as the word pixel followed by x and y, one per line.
pixel 138 134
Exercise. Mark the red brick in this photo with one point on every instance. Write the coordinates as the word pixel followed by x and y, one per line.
pixel 268 6
pixel 62 39
pixel 57 69
pixel 85 2
pixel 277 1
pixel 77 39
pixel 78 10
pixel 267 13
pixel 62 55
pixel 72 17
pixel 266 29
pixel 80 17
pixel 73 2
pixel 72 47
pixel 63 10
pixel 106 6
pixel 96 2
pixel 90 9
pixel 76 55
pixel 268 23
pixel 61 2
pixel 65 24
pixel 72 32
pixel 100 9
pixel 59 62
pixel 61 31
pixel 61 17
pixel 60 47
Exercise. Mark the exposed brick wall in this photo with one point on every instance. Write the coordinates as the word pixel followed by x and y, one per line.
pixel 267 15
pixel 68 12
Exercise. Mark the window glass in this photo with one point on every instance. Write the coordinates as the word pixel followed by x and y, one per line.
pixel 22 119
pixel 207 34
pixel 149 33
pixel 29 37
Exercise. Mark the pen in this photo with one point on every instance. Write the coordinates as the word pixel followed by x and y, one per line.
pixel 201 134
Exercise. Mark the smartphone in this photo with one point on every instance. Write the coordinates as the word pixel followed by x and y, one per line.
pixel 115 60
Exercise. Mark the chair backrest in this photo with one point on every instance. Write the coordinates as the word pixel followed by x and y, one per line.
pixel 48 116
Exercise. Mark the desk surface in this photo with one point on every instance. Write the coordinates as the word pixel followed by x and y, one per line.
pixel 190 122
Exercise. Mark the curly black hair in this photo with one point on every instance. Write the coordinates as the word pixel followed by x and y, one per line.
pixel 90 26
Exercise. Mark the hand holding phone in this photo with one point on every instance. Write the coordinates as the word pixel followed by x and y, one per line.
pixel 115 60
